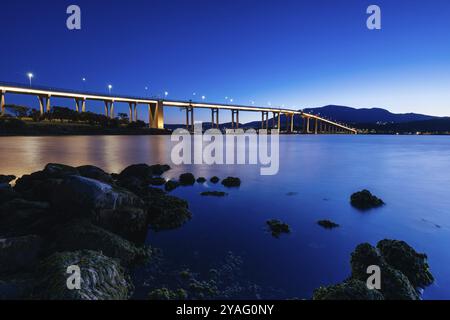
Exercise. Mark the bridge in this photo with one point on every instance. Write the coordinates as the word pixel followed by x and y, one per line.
pixel 311 123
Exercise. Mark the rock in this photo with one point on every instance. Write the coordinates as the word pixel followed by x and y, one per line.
pixel 404 258
pixel 128 222
pixel 159 169
pixel 277 227
pixel 81 235
pixel 171 185
pixel 394 284
pixel 19 253
pixel 214 193
pixel 102 278
pixel 187 179
pixel 6 178
pixel 201 180
pixel 327 224
pixel 231 182
pixel 348 290
pixel 140 171
pixel 7 194
pixel 214 179
pixel 134 184
pixel 59 171
pixel 80 195
pixel 28 181
pixel 167 294
pixel 95 173
pixel 167 212
pixel 157 181
pixel 365 200
pixel 20 217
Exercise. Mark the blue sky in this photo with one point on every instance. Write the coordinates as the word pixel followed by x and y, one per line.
pixel 292 53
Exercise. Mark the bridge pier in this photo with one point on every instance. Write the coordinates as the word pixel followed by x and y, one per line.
pixel 265 120
pixel 190 118
pixel 214 118
pixel 44 102
pixel 234 121
pixel 156 115
pixel 316 126
pixel 80 104
pixel 2 102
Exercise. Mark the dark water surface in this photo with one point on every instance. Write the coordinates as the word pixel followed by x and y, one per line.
pixel 316 178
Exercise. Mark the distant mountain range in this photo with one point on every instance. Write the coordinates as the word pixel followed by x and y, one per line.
pixel 373 115
pixel 373 119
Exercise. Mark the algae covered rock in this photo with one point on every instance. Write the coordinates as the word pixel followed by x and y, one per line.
pixel 327 224
pixel 102 278
pixel 348 290
pixel 231 182
pixel 81 234
pixel 404 258
pixel 186 179
pixel 278 227
pixel 167 212
pixel 167 294
pixel 365 200
pixel 128 222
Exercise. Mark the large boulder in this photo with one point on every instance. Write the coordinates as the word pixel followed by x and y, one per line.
pixel 364 200
pixel 128 222
pixel 19 253
pixel 81 195
pixel 59 171
pixel 394 284
pixel 404 258
pixel 81 234
pixel 166 212
pixel 7 193
pixel 348 290
pixel 141 171
pixel 102 278
pixel 231 182
pixel 22 217
pixel 159 169
pixel 96 173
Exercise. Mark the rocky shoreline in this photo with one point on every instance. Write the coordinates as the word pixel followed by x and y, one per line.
pixel 63 216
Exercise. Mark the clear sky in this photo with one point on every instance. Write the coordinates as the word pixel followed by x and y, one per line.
pixel 292 53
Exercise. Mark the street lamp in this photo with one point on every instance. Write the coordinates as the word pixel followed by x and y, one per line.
pixel 203 97
pixel 109 88
pixel 166 93
pixel 231 100
pixel 30 76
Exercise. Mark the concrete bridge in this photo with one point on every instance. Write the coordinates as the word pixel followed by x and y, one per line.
pixel 311 123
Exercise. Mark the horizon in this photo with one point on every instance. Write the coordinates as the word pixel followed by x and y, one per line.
pixel 230 50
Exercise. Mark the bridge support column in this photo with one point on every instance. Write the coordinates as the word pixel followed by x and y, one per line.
pixel 307 125
pixel 131 111
pixel 279 121
pixel 48 105
pixel 111 112
pixel 316 126
pixel 135 111
pixel 2 102
pixel 106 109
pixel 78 104
pixel 83 105
pixel 234 121
pixel 292 123
pixel 156 115
pixel 44 103
pixel 190 118
pixel 214 118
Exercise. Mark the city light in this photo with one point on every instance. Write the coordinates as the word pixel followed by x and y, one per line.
pixel 30 76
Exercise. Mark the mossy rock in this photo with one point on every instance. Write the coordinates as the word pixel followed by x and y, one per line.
pixel 404 258
pixel 278 227
pixel 102 278
pixel 348 290
pixel 167 294
pixel 167 212
pixel 81 234
pixel 364 200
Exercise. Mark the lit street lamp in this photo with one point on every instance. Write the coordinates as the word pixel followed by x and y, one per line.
pixel 30 76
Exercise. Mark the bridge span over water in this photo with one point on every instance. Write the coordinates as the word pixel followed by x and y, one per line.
pixel 311 123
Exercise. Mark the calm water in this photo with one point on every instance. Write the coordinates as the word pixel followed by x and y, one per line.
pixel 410 173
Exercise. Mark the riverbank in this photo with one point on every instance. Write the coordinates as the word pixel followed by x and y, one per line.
pixel 16 127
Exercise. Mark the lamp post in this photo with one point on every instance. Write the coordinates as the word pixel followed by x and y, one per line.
pixel 30 76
